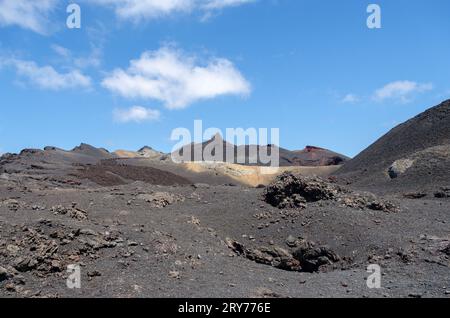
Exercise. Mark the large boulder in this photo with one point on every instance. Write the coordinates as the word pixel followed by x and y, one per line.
pixel 312 258
pixel 306 258
pixel 274 256
pixel 293 191
pixel 399 167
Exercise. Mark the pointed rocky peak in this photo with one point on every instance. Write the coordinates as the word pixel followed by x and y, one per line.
pixel 217 138
pixel 83 147
pixel 146 148
pixel 312 148
pixel 89 150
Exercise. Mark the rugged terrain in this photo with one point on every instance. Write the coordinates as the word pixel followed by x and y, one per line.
pixel 141 226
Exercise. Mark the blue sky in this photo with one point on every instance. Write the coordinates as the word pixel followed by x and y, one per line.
pixel 132 74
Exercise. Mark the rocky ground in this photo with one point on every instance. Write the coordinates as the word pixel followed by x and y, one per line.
pixel 145 227
pixel 144 240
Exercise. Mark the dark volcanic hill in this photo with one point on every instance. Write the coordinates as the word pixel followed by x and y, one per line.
pixel 54 158
pixel 91 151
pixel 413 155
pixel 315 156
pixel 249 154
pixel 84 162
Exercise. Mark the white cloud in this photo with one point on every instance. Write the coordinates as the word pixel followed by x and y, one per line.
pixel 94 59
pixel 136 114
pixel 220 4
pixel 27 14
pixel 61 51
pixel 148 9
pixel 46 77
pixel 91 60
pixel 170 76
pixel 350 99
pixel 401 90
pixel 34 14
pixel 138 9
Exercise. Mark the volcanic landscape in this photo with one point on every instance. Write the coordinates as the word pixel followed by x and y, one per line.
pixel 140 225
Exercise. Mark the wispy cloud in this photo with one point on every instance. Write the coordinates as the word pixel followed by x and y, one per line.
pixel 137 10
pixel 46 77
pixel 34 15
pixel 176 79
pixel 31 15
pixel 220 4
pixel 402 91
pixel 94 59
pixel 61 51
pixel 136 114
pixel 350 99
